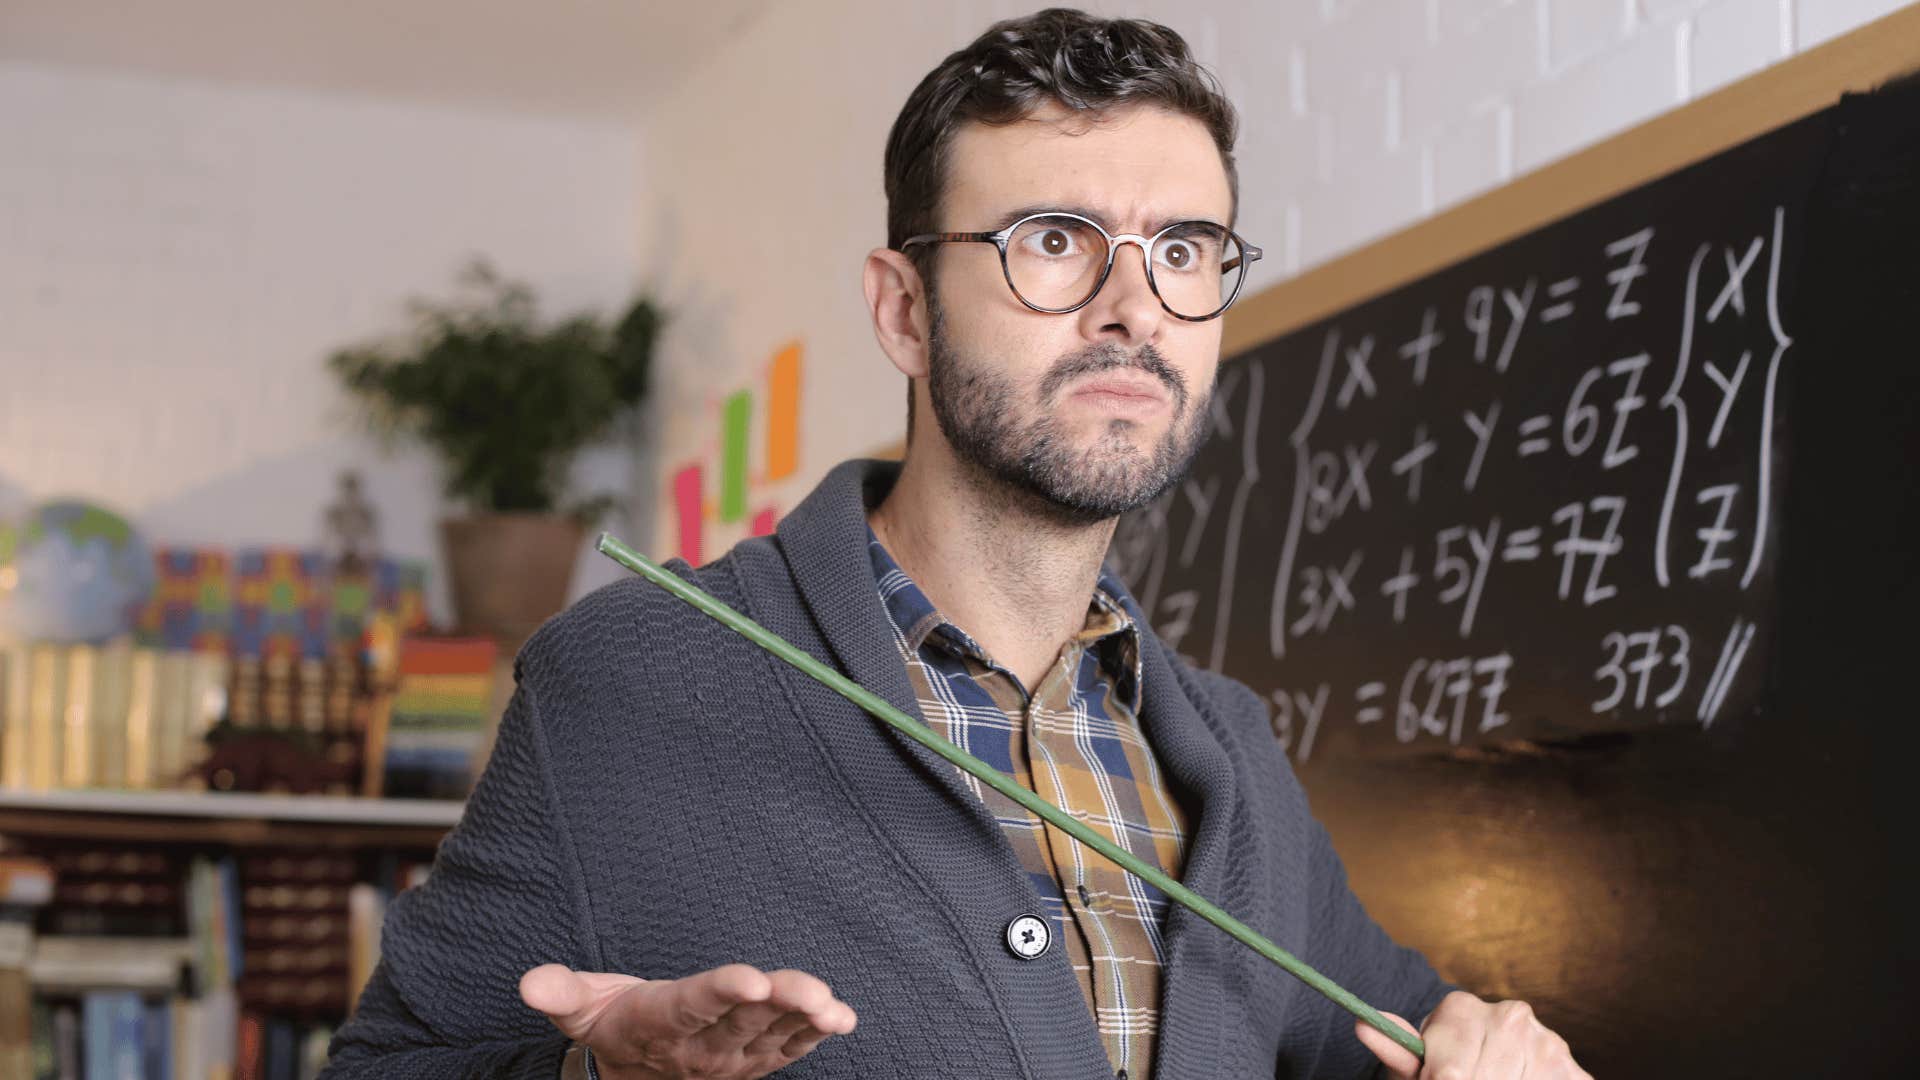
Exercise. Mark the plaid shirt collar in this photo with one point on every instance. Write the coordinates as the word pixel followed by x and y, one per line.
pixel 1109 630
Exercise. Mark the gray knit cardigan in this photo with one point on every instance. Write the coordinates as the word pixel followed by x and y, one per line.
pixel 664 798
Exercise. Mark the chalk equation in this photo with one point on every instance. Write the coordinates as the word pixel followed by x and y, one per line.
pixel 1493 506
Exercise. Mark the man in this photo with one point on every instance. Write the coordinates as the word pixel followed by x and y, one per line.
pixel 688 860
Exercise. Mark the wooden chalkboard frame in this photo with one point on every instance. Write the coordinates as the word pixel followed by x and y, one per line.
pixel 1773 97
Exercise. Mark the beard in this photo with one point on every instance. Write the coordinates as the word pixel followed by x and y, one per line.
pixel 978 411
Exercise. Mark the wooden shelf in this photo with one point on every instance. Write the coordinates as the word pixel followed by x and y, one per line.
pixel 243 820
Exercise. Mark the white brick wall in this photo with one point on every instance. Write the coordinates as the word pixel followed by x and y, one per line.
pixel 1477 61
pixel 1475 155
pixel 1574 31
pixel 1358 118
pixel 177 259
pixel 1593 100
pixel 1731 39
pixel 1815 21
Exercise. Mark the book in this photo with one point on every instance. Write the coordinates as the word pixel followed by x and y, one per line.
pixel 76 742
pixel 74 964
pixel 278 1053
pixel 250 1048
pixel 207 923
pixel 16 667
pixel 111 1042
pixel 46 702
pixel 189 1056
pixel 366 913
pixel 25 881
pixel 220 1041
pixel 142 745
pixel 156 1040
pixel 106 718
pixel 66 1042
pixel 171 708
pixel 16 1023
pixel 313 1054
pixel 440 718
pixel 45 1056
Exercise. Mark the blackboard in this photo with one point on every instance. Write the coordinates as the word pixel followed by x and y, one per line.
pixel 1578 576
pixel 1534 495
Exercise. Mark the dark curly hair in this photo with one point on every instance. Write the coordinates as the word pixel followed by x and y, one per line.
pixel 1079 60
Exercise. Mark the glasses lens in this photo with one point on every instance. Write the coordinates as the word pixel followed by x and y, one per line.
pixel 1197 267
pixel 1054 262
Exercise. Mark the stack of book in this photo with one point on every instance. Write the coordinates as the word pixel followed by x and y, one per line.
pixel 146 994
pixel 113 716
pixel 281 658
pixel 127 892
pixel 242 975
pixel 321 706
pixel 295 914
pixel 441 715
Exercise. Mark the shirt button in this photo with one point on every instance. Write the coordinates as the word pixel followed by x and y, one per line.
pixel 1084 898
pixel 1028 936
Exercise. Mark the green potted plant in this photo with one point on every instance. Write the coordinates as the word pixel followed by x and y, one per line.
pixel 506 401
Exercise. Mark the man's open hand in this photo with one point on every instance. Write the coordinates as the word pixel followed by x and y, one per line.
pixel 730 1023
pixel 1470 1038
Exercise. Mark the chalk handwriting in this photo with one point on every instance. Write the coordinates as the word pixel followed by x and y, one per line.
pixel 1632 659
pixel 1436 696
pixel 1622 277
pixel 1420 349
pixel 1553 532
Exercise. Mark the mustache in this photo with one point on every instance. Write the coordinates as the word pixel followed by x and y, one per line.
pixel 1107 356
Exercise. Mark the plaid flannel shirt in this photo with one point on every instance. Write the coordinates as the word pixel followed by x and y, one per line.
pixel 1075 740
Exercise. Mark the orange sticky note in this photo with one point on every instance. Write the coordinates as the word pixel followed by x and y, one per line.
pixel 783 413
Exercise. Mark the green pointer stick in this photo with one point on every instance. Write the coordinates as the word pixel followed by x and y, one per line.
pixel 1004 784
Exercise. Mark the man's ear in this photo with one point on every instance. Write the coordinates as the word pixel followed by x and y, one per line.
pixel 896 298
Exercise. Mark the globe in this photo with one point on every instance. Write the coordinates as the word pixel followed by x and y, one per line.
pixel 71 572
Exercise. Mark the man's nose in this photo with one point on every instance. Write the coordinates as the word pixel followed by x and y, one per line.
pixel 1126 302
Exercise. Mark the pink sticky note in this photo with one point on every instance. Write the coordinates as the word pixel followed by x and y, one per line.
pixel 686 501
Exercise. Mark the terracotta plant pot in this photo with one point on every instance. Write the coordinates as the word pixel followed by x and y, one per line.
pixel 509 572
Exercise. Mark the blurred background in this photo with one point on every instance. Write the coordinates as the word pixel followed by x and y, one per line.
pixel 330 334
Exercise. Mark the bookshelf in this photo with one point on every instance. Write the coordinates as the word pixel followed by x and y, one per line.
pixel 133 782
pixel 240 820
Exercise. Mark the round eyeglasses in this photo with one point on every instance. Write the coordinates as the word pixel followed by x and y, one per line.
pixel 1056 262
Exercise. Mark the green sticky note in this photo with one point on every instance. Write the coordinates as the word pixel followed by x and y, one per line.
pixel 734 416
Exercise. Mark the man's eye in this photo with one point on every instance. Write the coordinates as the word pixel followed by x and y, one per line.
pixel 1055 242
pixel 1178 254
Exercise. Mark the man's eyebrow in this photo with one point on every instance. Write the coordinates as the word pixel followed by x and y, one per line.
pixel 1088 212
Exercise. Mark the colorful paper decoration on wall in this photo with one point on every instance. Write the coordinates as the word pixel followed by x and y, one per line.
pixel 783 414
pixel 192 602
pixel 281 609
pixel 734 416
pixel 737 481
pixel 274 601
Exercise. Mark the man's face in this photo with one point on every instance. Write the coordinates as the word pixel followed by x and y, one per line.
pixel 1100 410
